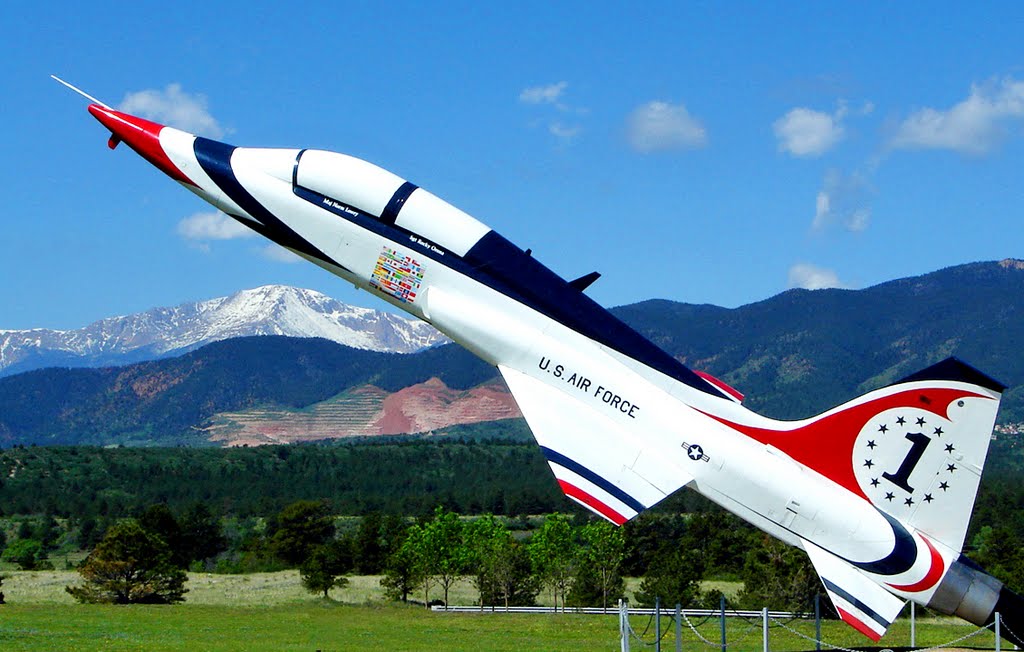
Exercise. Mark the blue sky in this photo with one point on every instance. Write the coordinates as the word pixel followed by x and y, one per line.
pixel 708 153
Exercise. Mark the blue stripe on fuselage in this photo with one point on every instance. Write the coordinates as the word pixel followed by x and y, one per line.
pixel 505 268
pixel 215 159
pixel 902 557
pixel 521 277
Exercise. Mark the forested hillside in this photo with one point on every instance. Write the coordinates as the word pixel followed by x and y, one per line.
pixel 804 351
pixel 793 355
pixel 486 468
pixel 161 402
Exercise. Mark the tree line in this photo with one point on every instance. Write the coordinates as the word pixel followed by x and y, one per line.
pixel 238 509
pixel 400 475
pixel 580 561
pixel 577 560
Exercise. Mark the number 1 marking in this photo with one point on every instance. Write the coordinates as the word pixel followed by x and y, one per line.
pixel 919 441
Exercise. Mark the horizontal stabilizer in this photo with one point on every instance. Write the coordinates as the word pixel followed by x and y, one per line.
pixel 861 602
pixel 611 472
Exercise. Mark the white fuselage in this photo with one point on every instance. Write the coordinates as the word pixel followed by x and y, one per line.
pixel 757 482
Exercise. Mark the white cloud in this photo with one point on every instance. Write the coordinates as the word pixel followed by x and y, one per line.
pixel 663 126
pixel 203 227
pixel 279 254
pixel 175 108
pixel 812 277
pixel 565 133
pixel 548 94
pixel 552 95
pixel 975 126
pixel 806 133
pixel 843 200
pixel 858 220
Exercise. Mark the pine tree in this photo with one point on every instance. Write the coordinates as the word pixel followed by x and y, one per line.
pixel 130 565
pixel 299 528
pixel 326 566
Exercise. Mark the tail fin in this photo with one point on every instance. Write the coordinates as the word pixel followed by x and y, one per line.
pixel 914 449
pixel 935 465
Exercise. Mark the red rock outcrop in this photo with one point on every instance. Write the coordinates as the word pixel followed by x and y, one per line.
pixel 366 411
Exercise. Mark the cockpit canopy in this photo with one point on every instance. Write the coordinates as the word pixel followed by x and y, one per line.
pixel 372 190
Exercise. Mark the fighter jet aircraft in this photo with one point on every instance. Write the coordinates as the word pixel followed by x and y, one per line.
pixel 877 491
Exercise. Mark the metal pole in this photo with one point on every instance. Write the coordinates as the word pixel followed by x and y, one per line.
pixel 764 628
pixel 721 607
pixel 679 627
pixel 657 624
pixel 913 624
pixel 624 624
pixel 817 622
pixel 998 633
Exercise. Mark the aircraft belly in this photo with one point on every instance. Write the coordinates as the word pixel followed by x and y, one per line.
pixel 755 479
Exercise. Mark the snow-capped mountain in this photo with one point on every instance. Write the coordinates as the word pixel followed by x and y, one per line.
pixel 161 332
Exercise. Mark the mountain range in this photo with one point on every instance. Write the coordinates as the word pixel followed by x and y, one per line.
pixel 167 332
pixel 793 355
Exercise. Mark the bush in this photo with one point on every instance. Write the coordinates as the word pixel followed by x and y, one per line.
pixel 130 566
pixel 28 554
pixel 674 576
pixel 326 566
pixel 778 576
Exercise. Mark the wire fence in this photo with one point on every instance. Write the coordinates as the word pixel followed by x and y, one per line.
pixel 739 630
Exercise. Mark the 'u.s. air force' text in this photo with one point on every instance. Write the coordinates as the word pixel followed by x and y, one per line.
pixel 582 383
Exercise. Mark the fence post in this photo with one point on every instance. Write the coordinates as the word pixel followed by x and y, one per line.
pixel 764 628
pixel 998 633
pixel 679 627
pixel 624 625
pixel 721 607
pixel 913 624
pixel 817 622
pixel 657 624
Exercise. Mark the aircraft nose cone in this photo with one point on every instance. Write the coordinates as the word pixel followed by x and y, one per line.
pixel 141 135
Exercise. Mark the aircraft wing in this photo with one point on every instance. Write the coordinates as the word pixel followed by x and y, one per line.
pixel 861 602
pixel 608 470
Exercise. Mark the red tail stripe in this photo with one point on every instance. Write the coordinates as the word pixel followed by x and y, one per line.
pixel 934 572
pixel 826 443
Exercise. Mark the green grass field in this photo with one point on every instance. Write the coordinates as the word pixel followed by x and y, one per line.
pixel 271 611
pixel 315 625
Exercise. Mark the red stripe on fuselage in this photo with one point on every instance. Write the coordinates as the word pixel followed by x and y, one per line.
pixel 593 503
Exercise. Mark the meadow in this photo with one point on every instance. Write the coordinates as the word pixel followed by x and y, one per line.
pixel 271 611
